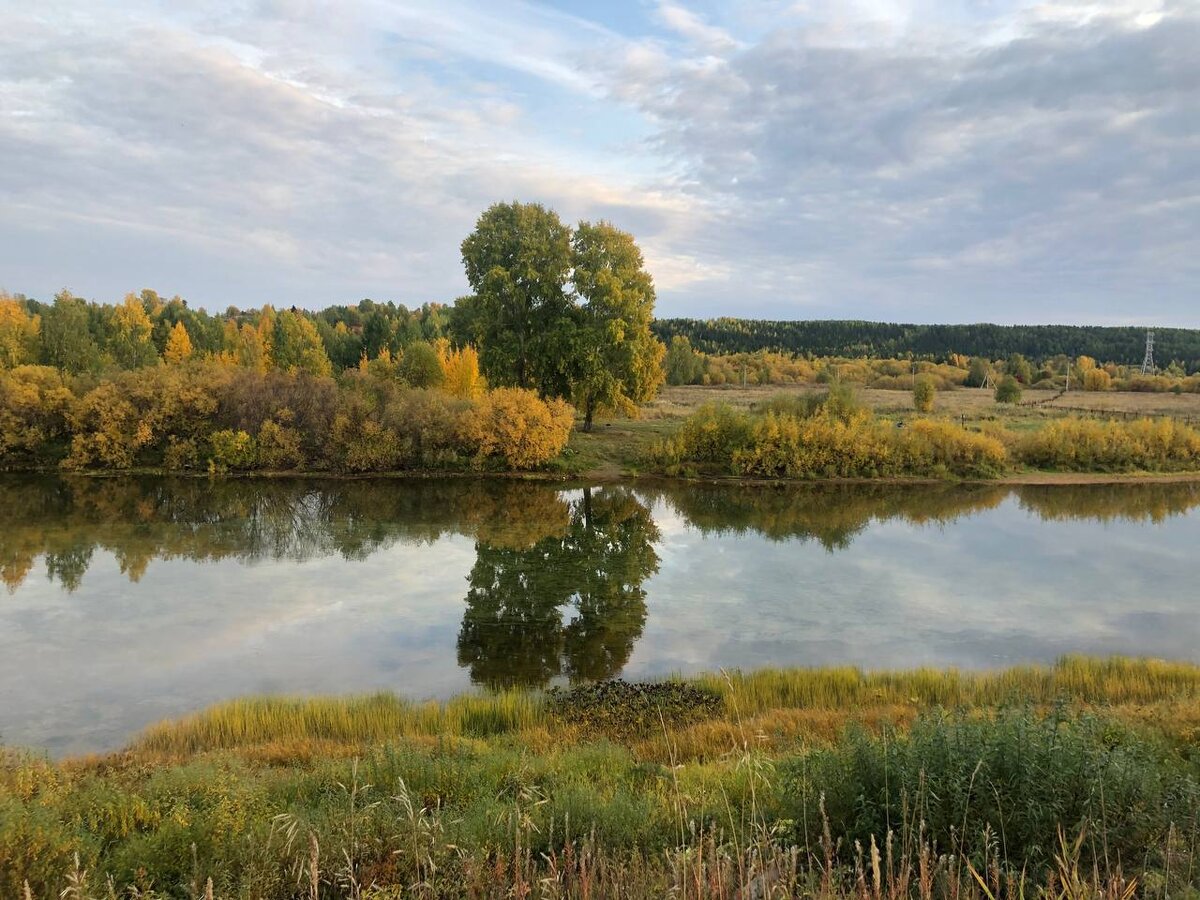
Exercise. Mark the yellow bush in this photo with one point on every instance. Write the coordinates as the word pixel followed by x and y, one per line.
pixel 279 446
pixel 931 445
pixel 232 450
pixel 1096 379
pixel 363 445
pixel 518 426
pixel 34 401
pixel 1091 445
pixel 460 371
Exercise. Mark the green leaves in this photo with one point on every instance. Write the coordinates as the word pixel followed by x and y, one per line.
pixel 565 313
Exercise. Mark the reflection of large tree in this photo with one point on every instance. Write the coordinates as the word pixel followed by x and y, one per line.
pixel 569 604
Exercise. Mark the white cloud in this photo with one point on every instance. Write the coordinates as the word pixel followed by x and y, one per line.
pixel 884 158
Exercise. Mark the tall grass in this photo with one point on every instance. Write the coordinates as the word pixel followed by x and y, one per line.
pixel 380 717
pixel 1072 678
pixel 958 806
pixel 365 719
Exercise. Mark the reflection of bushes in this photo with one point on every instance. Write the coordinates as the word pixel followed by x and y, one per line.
pixel 829 513
pixel 1108 502
pixel 144 518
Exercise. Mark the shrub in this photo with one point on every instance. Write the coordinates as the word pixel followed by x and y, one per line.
pixel 1088 445
pixel 1096 380
pixel 279 445
pixel 933 447
pixel 1008 390
pixel 516 425
pixel 229 449
pixel 1019 775
pixel 420 366
pixel 924 394
pixel 361 444
pixel 34 402
pixel 712 434
pixel 824 446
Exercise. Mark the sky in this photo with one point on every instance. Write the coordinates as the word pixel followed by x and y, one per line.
pixel 911 160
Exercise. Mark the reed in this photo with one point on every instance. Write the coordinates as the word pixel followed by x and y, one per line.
pixel 356 719
pixel 828 697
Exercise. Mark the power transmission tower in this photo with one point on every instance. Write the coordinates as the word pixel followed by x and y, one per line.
pixel 1148 361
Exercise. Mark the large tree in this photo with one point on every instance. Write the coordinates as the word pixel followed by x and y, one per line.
pixel 566 313
pixel 518 262
pixel 616 361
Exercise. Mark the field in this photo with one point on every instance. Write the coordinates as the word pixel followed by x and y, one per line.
pixel 618 445
pixel 1077 780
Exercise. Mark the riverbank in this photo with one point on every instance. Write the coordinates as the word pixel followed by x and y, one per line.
pixel 770 783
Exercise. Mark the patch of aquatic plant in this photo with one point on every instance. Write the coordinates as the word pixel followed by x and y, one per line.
pixel 623 707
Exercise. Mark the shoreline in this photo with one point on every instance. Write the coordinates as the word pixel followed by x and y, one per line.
pixel 606 475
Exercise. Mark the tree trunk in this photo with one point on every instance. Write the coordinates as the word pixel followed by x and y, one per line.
pixel 587 417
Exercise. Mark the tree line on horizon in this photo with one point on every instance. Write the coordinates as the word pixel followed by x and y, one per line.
pixel 851 338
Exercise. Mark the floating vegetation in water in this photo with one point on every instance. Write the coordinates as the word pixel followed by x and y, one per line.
pixel 625 707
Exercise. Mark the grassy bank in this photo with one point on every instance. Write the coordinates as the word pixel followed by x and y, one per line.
pixel 1039 439
pixel 1079 779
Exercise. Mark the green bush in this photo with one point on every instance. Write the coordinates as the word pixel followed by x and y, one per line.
pixel 1008 390
pixel 924 394
pixel 1014 780
pixel 229 449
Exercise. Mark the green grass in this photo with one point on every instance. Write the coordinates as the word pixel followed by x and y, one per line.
pixel 360 720
pixel 832 783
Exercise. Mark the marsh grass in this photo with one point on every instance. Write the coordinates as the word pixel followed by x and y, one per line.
pixel 365 719
pixel 826 696
pixel 1067 781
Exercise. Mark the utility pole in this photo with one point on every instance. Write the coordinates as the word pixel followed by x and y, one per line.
pixel 1148 359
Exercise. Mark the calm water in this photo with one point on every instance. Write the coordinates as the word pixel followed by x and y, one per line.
pixel 130 600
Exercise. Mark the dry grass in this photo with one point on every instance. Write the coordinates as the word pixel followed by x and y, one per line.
pixel 782 705
pixel 619 446
pixel 975 403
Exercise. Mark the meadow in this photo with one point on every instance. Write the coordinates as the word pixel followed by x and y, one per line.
pixel 623 445
pixel 1075 780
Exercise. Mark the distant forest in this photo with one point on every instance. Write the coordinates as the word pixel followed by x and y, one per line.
pixel 883 340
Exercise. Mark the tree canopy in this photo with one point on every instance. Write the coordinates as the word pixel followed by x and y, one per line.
pixel 567 312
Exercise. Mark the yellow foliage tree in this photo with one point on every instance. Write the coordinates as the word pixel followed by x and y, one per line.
pixel 1096 379
pixel 460 371
pixel 179 345
pixel 18 334
pixel 130 342
pixel 518 426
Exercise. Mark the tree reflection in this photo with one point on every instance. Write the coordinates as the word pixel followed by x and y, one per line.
pixel 63 523
pixel 569 605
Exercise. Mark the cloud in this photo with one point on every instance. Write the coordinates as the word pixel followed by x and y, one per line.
pixel 977 181
pixel 882 159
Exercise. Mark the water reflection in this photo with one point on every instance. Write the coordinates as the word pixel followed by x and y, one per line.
pixel 140 520
pixel 514 631
pixel 134 598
